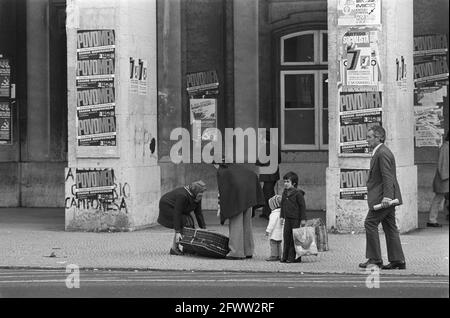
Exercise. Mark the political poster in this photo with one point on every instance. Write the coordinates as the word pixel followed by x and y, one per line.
pixel 202 83
pixel 134 75
pixel 96 121
pixel 359 12
pixel 142 79
pixel 204 118
pixel 94 184
pixel 360 59
pixel 353 184
pixel 5 78
pixel 431 85
pixel 358 112
pixel 5 123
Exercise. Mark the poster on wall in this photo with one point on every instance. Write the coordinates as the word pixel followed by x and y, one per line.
pixel 204 118
pixel 94 184
pixel 5 123
pixel 134 75
pixel 360 59
pixel 96 120
pixel 359 12
pixel 358 112
pixel 142 80
pixel 5 78
pixel 353 184
pixel 202 83
pixel 431 86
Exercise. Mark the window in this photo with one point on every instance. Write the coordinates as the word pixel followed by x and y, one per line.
pixel 304 91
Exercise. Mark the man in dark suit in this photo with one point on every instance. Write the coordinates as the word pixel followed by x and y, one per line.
pixel 382 187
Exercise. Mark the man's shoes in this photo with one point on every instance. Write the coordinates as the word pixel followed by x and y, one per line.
pixel 283 261
pixel 395 265
pixel 176 251
pixel 371 262
pixel 234 257
pixel 434 224
pixel 298 260
pixel 249 256
pixel 273 259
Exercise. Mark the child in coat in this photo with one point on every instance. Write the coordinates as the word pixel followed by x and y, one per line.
pixel 292 214
pixel 274 229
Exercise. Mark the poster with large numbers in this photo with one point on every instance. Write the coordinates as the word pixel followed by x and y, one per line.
pixel 358 112
pixel 360 59
pixel 96 101
pixel 353 184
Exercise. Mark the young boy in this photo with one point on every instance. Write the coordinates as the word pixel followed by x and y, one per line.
pixel 293 215
pixel 274 229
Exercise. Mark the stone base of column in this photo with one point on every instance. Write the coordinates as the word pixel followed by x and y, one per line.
pixel 347 216
pixel 132 203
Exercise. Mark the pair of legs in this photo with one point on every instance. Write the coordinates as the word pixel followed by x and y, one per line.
pixel 288 238
pixel 387 219
pixel 435 207
pixel 241 241
pixel 275 250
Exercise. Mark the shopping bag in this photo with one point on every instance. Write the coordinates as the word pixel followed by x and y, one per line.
pixel 305 241
pixel 321 234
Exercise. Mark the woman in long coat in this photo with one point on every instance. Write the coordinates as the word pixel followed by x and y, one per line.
pixel 440 184
pixel 175 209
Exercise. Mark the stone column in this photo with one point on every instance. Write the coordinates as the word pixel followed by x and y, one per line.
pixel 132 161
pixel 396 85
pixel 246 70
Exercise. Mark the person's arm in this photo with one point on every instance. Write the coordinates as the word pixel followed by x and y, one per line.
pixel 179 207
pixel 302 207
pixel 199 216
pixel 443 163
pixel 386 168
pixel 271 224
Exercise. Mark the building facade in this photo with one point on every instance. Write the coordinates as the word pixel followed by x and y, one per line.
pixel 271 60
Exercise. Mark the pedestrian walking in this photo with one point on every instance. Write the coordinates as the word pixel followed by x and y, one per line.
pixel 239 193
pixel 440 185
pixel 382 187
pixel 175 209
pixel 292 214
pixel 274 229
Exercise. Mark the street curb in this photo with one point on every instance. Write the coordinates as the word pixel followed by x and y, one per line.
pixel 131 269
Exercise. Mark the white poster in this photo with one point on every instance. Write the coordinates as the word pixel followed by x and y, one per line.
pixel 359 12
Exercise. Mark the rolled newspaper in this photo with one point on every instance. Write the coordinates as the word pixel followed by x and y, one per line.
pixel 391 203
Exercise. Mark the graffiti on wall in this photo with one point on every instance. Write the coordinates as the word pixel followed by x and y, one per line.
pixel 96 189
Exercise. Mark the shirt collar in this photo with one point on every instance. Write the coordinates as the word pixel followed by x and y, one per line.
pixel 376 148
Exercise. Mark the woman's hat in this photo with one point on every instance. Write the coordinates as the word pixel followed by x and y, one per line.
pixel 274 202
pixel 197 187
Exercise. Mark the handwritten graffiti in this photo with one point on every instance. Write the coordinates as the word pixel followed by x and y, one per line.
pixel 114 201
pixel 145 142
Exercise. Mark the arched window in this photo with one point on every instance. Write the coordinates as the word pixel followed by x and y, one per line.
pixel 304 90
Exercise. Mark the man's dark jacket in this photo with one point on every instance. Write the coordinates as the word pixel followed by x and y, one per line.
pixel 239 189
pixel 176 204
pixel 293 204
pixel 382 181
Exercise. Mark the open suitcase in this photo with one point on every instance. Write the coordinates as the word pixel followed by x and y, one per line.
pixel 204 243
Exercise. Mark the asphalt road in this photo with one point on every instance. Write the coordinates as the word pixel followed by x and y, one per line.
pixel 176 284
